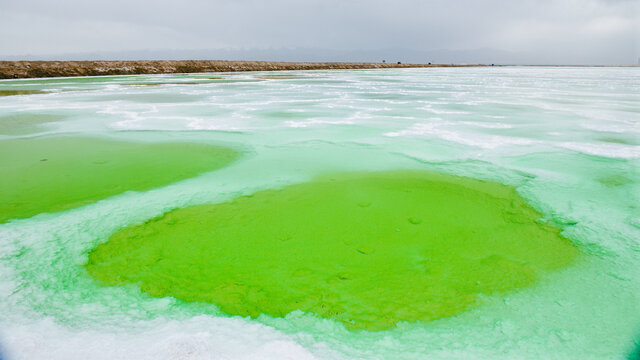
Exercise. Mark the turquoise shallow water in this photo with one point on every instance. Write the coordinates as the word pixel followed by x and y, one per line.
pixel 568 138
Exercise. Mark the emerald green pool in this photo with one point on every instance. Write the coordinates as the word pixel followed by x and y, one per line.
pixel 57 173
pixel 366 249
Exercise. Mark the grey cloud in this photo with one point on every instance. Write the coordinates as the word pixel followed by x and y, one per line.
pixel 559 31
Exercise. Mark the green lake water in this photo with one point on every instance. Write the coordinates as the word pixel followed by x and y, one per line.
pixel 469 213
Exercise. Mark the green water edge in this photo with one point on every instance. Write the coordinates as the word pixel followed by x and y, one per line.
pixel 51 174
pixel 26 123
pixel 7 92
pixel 367 249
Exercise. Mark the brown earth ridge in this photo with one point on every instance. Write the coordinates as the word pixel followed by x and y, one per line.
pixel 40 69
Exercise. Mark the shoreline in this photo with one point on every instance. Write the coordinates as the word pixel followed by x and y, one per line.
pixel 46 69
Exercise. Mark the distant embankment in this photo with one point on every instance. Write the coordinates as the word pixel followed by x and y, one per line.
pixel 38 69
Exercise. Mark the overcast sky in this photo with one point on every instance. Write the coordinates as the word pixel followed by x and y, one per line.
pixel 552 31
